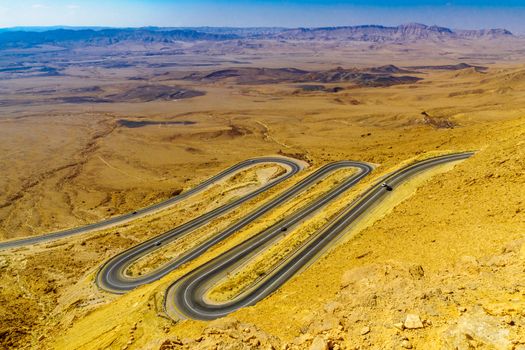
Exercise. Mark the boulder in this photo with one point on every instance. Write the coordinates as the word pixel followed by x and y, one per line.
pixel 412 321
pixel 319 344
pixel 476 329
pixel 406 344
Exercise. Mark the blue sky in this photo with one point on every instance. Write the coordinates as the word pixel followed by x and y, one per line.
pixel 290 13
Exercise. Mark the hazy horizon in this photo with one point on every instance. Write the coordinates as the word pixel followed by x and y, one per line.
pixel 458 14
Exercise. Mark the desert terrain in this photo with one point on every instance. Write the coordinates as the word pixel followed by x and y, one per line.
pixel 91 132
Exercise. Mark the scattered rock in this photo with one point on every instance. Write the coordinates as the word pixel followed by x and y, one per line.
pixel 469 264
pixel 3 263
pixel 332 306
pixel 365 330
pixel 498 261
pixel 513 246
pixel 362 255
pixel 324 325
pixel 412 321
pixel 187 341
pixel 303 338
pixel 508 320
pixel 319 344
pixel 358 277
pixel 416 271
pixel 502 309
pixel 399 326
pixel 223 323
pixel 170 344
pixel 406 344
pixel 521 253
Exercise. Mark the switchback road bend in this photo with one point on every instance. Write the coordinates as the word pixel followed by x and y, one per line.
pixel 187 297
pixel 291 166
pixel 113 276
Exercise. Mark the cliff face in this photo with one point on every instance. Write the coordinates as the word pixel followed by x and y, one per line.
pixel 374 33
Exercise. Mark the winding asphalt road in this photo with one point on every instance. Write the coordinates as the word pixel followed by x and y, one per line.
pixel 187 296
pixel 292 167
pixel 112 276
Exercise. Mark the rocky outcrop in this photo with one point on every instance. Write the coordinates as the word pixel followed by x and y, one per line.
pixel 484 33
pixel 226 333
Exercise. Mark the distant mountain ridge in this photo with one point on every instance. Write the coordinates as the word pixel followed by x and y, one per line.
pixel 69 36
pixel 377 33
